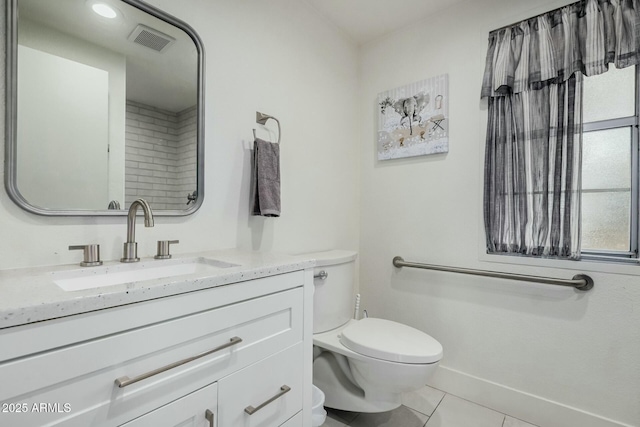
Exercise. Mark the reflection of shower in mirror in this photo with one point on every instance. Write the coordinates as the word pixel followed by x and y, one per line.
pixel 137 101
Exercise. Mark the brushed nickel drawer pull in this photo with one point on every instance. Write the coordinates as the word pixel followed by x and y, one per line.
pixel 125 381
pixel 209 416
pixel 283 390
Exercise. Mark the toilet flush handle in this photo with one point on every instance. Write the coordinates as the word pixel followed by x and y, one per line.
pixel 322 275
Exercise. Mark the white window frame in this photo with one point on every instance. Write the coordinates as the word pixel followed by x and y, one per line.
pixel 634 239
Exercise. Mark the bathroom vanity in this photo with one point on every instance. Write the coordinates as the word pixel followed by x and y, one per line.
pixel 212 339
pixel 225 345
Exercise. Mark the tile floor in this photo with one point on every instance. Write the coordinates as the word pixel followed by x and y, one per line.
pixel 427 407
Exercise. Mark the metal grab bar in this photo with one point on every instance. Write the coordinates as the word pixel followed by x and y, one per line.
pixel 581 282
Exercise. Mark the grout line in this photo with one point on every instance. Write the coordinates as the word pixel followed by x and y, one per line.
pixel 438 405
pixel 491 409
pixel 427 385
pixel 418 411
pixel 436 408
pixel 428 419
pixel 478 404
pixel 504 419
pixel 355 418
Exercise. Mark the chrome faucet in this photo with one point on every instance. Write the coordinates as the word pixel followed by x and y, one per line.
pixel 130 252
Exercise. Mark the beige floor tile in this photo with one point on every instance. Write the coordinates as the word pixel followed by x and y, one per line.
pixel 330 422
pixel 399 417
pixel 343 416
pixel 424 400
pixel 513 422
pixel 456 412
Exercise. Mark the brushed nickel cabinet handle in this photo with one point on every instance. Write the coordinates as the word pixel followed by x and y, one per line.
pixel 283 390
pixel 126 381
pixel 209 416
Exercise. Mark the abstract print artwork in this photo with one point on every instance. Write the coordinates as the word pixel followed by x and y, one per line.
pixel 413 120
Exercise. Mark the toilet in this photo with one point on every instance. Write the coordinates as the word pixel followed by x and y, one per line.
pixel 362 365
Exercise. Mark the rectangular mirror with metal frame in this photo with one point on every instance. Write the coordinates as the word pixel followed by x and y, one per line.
pixel 105 105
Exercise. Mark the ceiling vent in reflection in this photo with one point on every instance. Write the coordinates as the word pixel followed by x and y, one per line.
pixel 153 39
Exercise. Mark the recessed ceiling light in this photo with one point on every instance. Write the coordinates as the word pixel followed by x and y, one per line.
pixel 104 10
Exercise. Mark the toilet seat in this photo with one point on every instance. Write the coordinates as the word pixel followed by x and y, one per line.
pixel 390 341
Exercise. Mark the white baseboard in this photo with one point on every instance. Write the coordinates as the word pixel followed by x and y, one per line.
pixel 524 406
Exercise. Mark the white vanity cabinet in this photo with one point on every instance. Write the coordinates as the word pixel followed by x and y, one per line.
pixel 263 394
pixel 185 412
pixel 204 358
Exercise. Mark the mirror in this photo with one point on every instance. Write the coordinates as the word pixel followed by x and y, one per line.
pixel 104 106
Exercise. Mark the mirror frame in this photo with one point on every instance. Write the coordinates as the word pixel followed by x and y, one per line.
pixel 11 103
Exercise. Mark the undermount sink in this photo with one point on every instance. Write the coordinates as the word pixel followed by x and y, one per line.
pixel 95 277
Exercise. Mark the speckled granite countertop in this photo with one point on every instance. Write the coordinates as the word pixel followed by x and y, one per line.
pixel 30 294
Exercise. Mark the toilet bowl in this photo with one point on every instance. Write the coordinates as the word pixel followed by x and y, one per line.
pixel 363 365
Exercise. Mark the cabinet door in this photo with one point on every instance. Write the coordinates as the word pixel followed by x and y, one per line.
pixel 265 394
pixel 197 409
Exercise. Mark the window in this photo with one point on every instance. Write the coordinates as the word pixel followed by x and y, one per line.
pixel 610 165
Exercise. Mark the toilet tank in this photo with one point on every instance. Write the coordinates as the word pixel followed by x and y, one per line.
pixel 333 301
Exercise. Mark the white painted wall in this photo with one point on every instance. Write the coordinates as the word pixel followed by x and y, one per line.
pixel 521 348
pixel 46 39
pixel 279 57
pixel 70 104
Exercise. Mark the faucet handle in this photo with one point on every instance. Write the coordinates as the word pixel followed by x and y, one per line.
pixel 91 254
pixel 163 248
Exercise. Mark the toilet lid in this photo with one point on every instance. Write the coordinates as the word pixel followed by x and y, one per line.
pixel 387 340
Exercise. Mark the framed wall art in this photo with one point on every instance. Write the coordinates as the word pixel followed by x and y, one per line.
pixel 413 120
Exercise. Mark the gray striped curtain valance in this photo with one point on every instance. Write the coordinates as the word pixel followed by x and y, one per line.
pixel 584 37
pixel 533 158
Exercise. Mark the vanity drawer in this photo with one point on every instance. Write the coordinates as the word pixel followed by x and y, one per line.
pixel 265 394
pixel 82 377
pixel 197 409
pixel 295 421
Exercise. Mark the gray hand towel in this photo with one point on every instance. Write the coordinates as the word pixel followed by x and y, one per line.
pixel 265 182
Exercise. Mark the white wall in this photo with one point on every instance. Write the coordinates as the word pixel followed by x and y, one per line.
pixel 46 39
pixel 545 354
pixel 70 102
pixel 278 57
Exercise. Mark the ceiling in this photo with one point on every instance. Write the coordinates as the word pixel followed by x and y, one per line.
pixel 167 80
pixel 361 20
pixel 366 20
